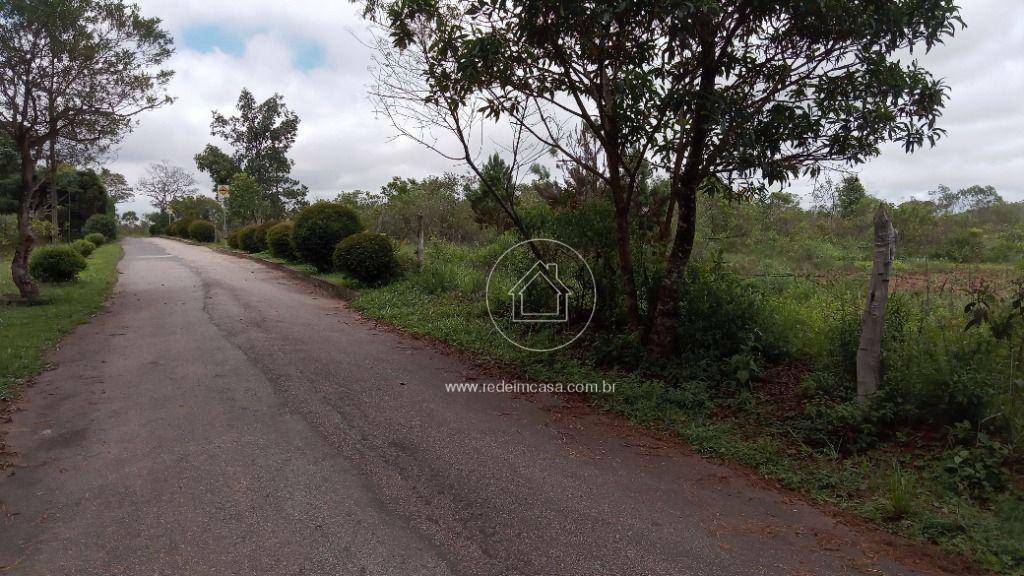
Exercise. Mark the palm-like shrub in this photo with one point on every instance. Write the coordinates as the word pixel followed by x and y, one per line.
pixel 319 228
pixel 202 231
pixel 279 241
pixel 83 247
pixel 367 257
pixel 60 263
pixel 96 239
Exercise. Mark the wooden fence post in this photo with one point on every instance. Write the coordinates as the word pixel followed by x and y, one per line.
pixel 869 352
pixel 420 245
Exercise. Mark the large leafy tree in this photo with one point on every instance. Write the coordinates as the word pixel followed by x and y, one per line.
pixel 260 137
pixel 717 95
pixel 75 75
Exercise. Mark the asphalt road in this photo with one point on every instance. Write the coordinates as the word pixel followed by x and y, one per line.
pixel 222 418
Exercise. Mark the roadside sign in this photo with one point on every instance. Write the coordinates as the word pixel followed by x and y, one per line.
pixel 223 191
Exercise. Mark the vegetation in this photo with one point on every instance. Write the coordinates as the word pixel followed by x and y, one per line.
pixel 258 170
pixel 60 263
pixel 101 224
pixel 202 231
pixel 279 241
pixel 96 238
pixel 319 228
pixel 54 104
pixel 83 247
pixel 26 332
pixel 368 257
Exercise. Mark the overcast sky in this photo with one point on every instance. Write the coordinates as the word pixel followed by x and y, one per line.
pixel 310 52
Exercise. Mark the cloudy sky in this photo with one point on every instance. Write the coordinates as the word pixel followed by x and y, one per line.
pixel 311 52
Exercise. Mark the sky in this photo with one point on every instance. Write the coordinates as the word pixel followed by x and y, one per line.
pixel 314 53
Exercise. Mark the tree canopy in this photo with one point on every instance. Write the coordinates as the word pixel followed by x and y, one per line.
pixel 718 95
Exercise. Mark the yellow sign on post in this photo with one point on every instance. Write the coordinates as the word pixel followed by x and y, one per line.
pixel 223 191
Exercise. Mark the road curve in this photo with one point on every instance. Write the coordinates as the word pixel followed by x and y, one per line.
pixel 221 418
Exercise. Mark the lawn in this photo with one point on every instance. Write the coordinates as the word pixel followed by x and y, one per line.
pixel 27 332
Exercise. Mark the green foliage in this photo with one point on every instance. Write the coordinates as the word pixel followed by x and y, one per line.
pixel 319 228
pixel 279 241
pixel 488 196
pixel 83 247
pixel 101 223
pixel 234 239
pixel 849 196
pixel 261 135
pixel 60 263
pixel 202 231
pixel 96 238
pixel 902 492
pixel 249 239
pixel 367 257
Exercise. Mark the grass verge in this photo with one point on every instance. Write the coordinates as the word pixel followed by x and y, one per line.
pixel 26 332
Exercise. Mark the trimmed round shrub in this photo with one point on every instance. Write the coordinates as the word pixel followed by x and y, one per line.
pixel 102 223
pixel 156 230
pixel 96 239
pixel 247 239
pixel 83 247
pixel 318 230
pixel 59 263
pixel 232 239
pixel 202 231
pixel 259 237
pixel 181 227
pixel 279 241
pixel 367 257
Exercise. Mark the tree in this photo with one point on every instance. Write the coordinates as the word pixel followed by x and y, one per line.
pixel 249 202
pixel 965 199
pixel 196 207
pixel 75 75
pixel 165 183
pixel 485 208
pixel 130 220
pixel 261 136
pixel 849 195
pixel 716 94
pixel 117 186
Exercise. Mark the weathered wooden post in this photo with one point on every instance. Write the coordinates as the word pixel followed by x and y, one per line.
pixel 420 245
pixel 869 352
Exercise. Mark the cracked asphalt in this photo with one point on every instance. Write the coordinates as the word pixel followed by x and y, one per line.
pixel 221 417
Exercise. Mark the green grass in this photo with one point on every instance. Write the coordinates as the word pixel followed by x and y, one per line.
pixel 27 332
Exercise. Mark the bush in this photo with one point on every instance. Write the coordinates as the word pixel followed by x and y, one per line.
pixel 102 223
pixel 232 239
pixel 318 230
pixel 96 239
pixel 260 235
pixel 56 263
pixel 202 231
pixel 246 239
pixel 367 257
pixel 181 227
pixel 279 241
pixel 83 247
pixel 156 230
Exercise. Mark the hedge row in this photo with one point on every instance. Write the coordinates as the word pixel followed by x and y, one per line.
pixel 327 236
pixel 189 229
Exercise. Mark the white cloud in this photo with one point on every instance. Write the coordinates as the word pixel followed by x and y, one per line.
pixel 342 145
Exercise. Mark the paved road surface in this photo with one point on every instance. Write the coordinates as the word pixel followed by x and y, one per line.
pixel 221 418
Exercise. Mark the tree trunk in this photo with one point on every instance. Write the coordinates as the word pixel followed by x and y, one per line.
pixel 19 266
pixel 869 352
pixel 664 309
pixel 626 265
pixel 666 224
pixel 420 243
